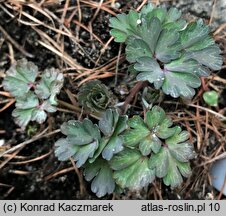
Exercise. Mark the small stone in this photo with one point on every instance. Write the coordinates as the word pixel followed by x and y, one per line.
pixel 2 142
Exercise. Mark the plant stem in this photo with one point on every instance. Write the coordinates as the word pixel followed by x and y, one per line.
pixel 70 106
pixel 78 109
pixel 133 92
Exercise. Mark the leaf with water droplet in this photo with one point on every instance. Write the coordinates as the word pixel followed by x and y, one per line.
pixel 112 125
pixel 179 84
pixel 168 52
pixel 147 134
pixel 131 169
pixel 172 161
pixel 148 70
pixel 81 142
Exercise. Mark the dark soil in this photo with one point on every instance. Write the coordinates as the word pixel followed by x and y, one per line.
pixel 35 181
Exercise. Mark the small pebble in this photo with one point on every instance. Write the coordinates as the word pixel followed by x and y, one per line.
pixel 2 142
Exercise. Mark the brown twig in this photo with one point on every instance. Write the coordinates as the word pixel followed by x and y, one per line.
pixel 33 139
pixel 11 188
pixel 53 175
pixel 212 12
pixel 77 109
pixel 80 178
pixel 15 44
pixel 19 172
pixel 223 155
pixel 7 105
pixel 32 160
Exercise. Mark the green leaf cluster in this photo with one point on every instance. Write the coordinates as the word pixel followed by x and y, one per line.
pixel 34 99
pixel 94 146
pixel 94 96
pixel 127 153
pixel 166 50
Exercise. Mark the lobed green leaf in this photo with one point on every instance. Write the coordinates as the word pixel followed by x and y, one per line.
pixel 112 125
pixel 124 26
pixel 154 117
pixel 149 70
pixel 20 78
pixel 195 32
pixel 80 133
pixel 108 122
pixel 50 85
pixel 102 175
pixel 81 142
pixel 180 84
pixel 149 32
pixel 135 175
pixel 209 57
pixel 29 109
pixel 168 47
pixel 137 48
pixel 136 133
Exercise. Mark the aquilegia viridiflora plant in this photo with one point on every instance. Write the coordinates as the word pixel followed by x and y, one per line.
pixel 33 98
pixel 165 50
pixel 121 152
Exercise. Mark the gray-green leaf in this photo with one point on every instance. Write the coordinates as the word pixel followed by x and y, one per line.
pixel 29 109
pixel 209 57
pixel 102 175
pixel 137 48
pixel 195 32
pixel 50 85
pixel 168 47
pixel 20 78
pixel 81 142
pixel 149 70
pixel 112 125
pixel 180 84
pixel 124 26
pixel 135 175
pixel 172 161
